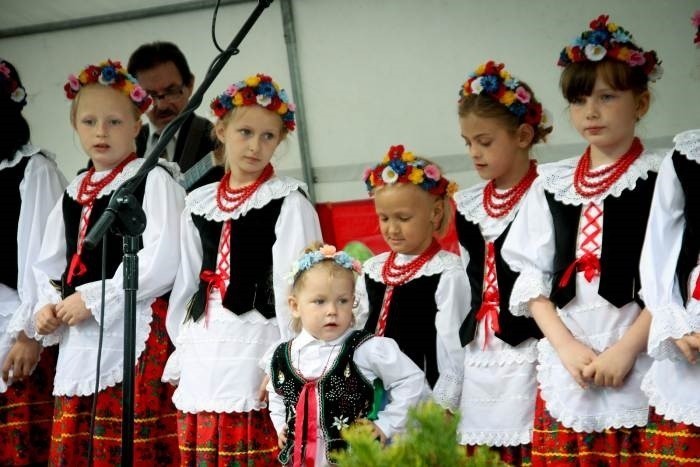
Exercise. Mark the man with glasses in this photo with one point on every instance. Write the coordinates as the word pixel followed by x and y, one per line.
pixel 162 71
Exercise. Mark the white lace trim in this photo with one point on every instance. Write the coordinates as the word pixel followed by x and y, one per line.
pixel 505 355
pixel 91 294
pixel 442 261
pixel 217 406
pixel 688 144
pixel 27 150
pixel 22 321
pixel 491 438
pixel 202 201
pixel 679 413
pixel 470 204
pixel 447 391
pixel 669 322
pixel 558 179
pixel 531 283
pixel 129 171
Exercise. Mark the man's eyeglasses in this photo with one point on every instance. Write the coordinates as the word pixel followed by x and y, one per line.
pixel 171 94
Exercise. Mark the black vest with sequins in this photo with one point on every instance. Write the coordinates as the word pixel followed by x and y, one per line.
pixel 10 179
pixel 343 393
pixel 513 329
pixel 411 321
pixel 250 285
pixel 688 173
pixel 624 225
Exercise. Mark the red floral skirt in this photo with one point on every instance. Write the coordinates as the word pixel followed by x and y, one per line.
pixel 26 409
pixel 666 442
pixel 510 455
pixel 554 444
pixel 155 420
pixel 222 439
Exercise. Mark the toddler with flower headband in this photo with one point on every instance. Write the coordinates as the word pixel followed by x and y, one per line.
pixel 229 302
pixel 105 113
pixel 500 121
pixel 30 184
pixel 670 276
pixel 417 293
pixel 322 380
pixel 576 245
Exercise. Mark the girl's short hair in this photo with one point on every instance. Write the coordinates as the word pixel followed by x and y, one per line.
pixel 578 79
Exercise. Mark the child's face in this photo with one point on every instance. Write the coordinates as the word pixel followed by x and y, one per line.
pixel 324 301
pixel 106 124
pixel 250 138
pixel 494 148
pixel 408 217
pixel 607 118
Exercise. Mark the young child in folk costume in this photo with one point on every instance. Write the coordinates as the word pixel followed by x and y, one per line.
pixel 417 293
pixel 670 274
pixel 501 120
pixel 105 110
pixel 323 380
pixel 30 183
pixel 240 237
pixel 576 244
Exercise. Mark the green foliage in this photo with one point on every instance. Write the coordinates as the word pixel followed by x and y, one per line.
pixel 430 440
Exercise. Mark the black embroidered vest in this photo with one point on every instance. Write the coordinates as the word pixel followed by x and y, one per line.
pixel 250 285
pixel 624 225
pixel 342 392
pixel 513 329
pixel 92 258
pixel 411 321
pixel 10 179
pixel 688 173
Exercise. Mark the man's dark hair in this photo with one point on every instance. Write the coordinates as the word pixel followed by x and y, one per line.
pixel 148 56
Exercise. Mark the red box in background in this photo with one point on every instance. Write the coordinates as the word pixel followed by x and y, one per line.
pixel 346 221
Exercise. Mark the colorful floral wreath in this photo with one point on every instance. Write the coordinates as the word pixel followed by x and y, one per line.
pixel 491 79
pixel 109 73
pixel 11 86
pixel 399 166
pixel 324 252
pixel 610 40
pixel 696 22
pixel 256 90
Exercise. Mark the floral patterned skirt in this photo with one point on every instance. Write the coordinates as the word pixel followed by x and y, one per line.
pixel 556 445
pixel 155 417
pixel 516 456
pixel 209 439
pixel 666 443
pixel 26 409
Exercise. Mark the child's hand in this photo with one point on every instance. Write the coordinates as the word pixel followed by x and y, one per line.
pixel 689 345
pixel 378 433
pixel 611 367
pixel 21 359
pixel 262 390
pixel 575 356
pixel 282 438
pixel 71 310
pixel 46 320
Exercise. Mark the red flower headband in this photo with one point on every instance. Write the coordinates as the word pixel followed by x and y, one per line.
pixel 10 85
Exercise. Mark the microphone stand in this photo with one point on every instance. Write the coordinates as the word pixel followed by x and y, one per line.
pixel 125 216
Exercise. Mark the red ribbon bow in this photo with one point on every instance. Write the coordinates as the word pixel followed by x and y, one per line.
pixel 214 280
pixel 489 313
pixel 76 268
pixel 306 427
pixel 588 263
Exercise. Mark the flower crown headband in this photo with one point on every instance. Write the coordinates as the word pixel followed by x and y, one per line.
pixel 612 41
pixel 323 253
pixel 696 22
pixel 11 86
pixel 492 80
pixel 399 166
pixel 112 74
pixel 256 90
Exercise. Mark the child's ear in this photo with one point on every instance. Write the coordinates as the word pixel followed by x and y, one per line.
pixel 220 129
pixel 438 213
pixel 525 134
pixel 643 102
pixel 293 306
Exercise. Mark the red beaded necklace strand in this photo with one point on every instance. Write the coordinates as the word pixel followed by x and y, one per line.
pixel 89 190
pixel 500 204
pixel 590 183
pixel 395 275
pixel 229 199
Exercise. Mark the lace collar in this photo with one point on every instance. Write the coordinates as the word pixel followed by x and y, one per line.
pixel 128 172
pixel 558 178
pixel 27 150
pixel 442 261
pixel 202 201
pixel 688 144
pixel 470 205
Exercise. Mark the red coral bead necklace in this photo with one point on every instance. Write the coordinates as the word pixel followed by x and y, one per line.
pixel 229 199
pixel 89 190
pixel 500 204
pixel 588 182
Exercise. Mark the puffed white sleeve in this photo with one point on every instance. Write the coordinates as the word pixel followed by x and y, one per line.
pixel 380 357
pixel 453 297
pixel 657 267
pixel 158 260
pixel 361 309
pixel 39 190
pixel 297 227
pixel 529 250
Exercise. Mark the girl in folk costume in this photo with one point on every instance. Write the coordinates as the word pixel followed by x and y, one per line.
pixel 30 183
pixel 417 293
pixel 576 244
pixel 670 274
pixel 240 237
pixel 105 110
pixel 500 121
pixel 330 362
